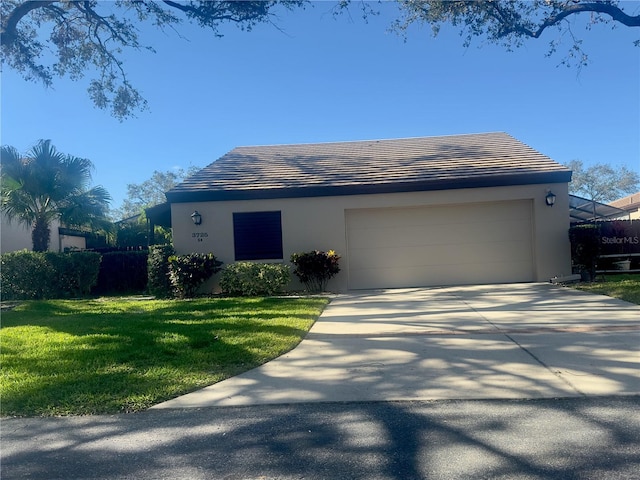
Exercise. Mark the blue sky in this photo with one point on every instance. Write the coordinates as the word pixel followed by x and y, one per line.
pixel 322 79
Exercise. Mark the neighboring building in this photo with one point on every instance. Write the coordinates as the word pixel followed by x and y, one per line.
pixel 15 236
pixel 462 209
pixel 630 204
pixel 71 239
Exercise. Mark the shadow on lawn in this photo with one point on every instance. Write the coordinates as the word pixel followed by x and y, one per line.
pixel 129 360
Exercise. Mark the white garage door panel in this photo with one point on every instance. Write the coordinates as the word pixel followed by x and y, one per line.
pixel 440 245
pixel 439 275
pixel 393 258
pixel 453 234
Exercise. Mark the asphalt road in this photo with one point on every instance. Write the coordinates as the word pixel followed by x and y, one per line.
pixel 576 438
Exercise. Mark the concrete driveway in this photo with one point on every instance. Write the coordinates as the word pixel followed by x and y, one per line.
pixel 469 342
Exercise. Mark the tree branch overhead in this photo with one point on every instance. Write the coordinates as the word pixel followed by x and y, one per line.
pixel 87 35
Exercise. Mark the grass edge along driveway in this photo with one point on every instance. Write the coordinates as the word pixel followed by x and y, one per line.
pixel 113 355
pixel 623 286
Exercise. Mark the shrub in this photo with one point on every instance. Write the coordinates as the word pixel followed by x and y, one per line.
pixel 316 268
pixel 76 273
pixel 585 247
pixel 122 272
pixel 249 279
pixel 188 272
pixel 132 234
pixel 158 282
pixel 40 275
pixel 24 276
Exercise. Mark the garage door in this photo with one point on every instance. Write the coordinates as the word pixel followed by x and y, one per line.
pixel 450 245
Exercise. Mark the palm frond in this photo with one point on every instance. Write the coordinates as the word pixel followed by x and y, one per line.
pixel 46 184
pixel 89 208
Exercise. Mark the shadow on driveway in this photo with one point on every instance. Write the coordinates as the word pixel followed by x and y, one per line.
pixel 476 342
pixel 578 438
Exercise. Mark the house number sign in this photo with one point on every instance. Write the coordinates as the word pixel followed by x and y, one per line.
pixel 199 236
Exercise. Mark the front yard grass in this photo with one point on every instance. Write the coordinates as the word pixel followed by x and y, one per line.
pixel 109 355
pixel 624 286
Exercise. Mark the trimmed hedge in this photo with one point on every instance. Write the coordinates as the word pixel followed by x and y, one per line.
pixel 41 275
pixel 248 279
pixel 24 276
pixel 159 283
pixel 122 272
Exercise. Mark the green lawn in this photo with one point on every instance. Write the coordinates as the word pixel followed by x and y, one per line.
pixel 625 287
pixel 75 357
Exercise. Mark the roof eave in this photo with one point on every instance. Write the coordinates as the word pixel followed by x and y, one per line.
pixel 177 196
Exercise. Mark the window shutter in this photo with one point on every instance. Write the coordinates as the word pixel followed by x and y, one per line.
pixel 257 235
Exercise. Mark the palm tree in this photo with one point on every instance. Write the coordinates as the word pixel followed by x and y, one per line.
pixel 45 185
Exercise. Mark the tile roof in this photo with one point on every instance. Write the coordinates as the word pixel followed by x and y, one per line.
pixel 374 166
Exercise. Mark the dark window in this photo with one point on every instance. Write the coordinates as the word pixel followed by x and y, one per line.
pixel 257 235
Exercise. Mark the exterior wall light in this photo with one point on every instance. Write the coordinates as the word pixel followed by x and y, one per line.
pixel 550 198
pixel 196 218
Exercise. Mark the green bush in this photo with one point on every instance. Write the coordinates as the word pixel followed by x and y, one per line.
pixel 250 279
pixel 24 276
pixel 132 234
pixel 159 283
pixel 40 275
pixel 76 272
pixel 188 272
pixel 316 268
pixel 122 272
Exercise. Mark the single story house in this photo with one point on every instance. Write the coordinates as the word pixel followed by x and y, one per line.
pixel 449 210
pixel 16 236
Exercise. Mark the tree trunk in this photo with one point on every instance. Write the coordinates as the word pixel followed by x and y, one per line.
pixel 40 235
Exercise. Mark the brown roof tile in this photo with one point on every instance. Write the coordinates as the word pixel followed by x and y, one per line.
pixel 374 166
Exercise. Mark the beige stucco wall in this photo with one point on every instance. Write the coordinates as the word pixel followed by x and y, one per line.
pixel 319 223
pixel 72 242
pixel 15 236
pixel 630 203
